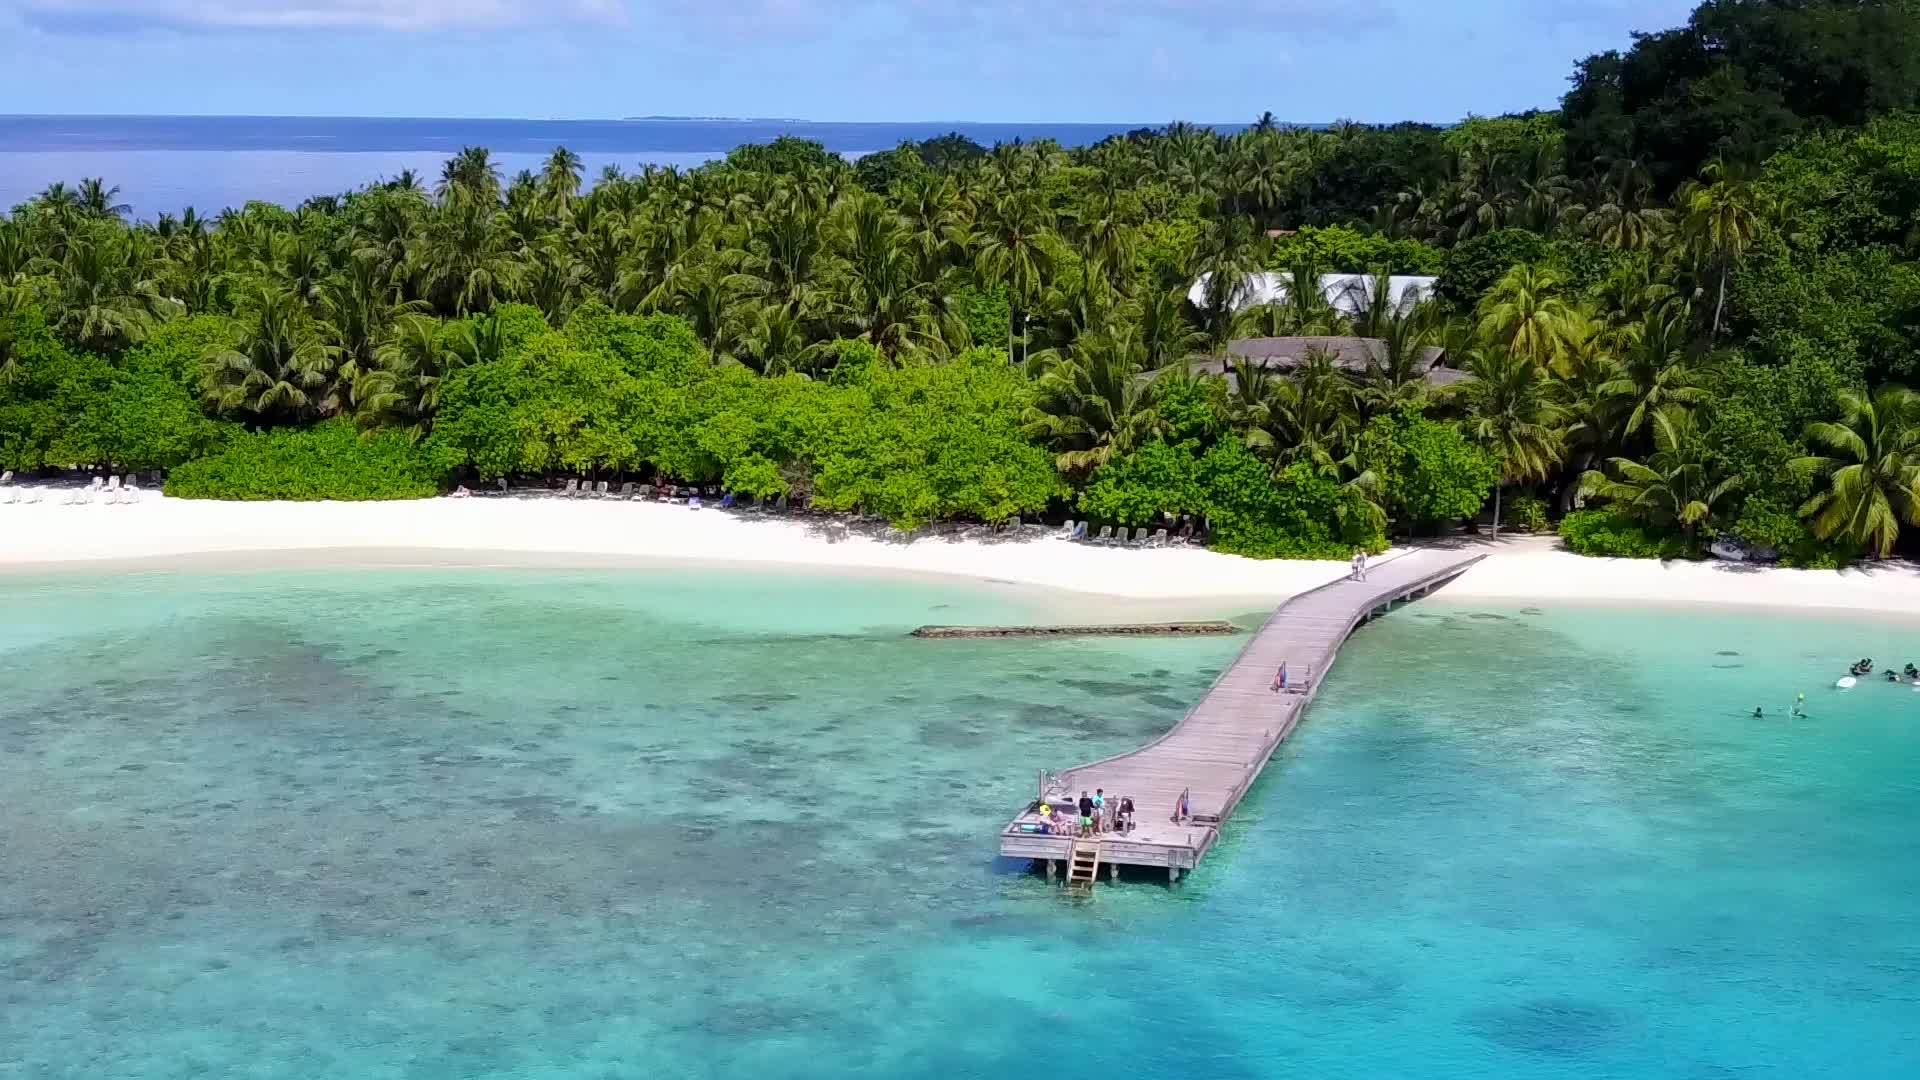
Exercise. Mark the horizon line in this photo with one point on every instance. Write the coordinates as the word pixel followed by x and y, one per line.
pixel 705 119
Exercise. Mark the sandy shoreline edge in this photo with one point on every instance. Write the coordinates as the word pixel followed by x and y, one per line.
pixel 161 534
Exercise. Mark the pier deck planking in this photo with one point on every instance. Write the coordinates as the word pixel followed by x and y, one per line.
pixel 1217 750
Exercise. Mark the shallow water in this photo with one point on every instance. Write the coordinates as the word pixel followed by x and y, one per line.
pixel 439 824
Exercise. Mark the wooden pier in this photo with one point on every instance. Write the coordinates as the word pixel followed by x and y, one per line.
pixel 1112 630
pixel 1214 754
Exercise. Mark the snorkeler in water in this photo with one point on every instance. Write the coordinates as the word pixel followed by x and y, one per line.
pixel 1800 707
pixel 1759 713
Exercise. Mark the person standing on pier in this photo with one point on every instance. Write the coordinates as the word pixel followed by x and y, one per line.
pixel 1280 678
pixel 1086 814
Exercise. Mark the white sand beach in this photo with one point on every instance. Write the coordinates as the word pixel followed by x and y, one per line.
pixel 556 532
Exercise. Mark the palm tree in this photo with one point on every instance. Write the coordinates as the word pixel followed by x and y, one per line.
pixel 1623 215
pixel 1675 487
pixel 936 223
pixel 885 303
pixel 1093 402
pixel 775 342
pixel 709 297
pixel 277 368
pixel 357 304
pixel 467 263
pixel 470 174
pixel 95 199
pixel 1527 315
pixel 1308 312
pixel 1226 255
pixel 1397 366
pixel 1011 250
pixel 106 295
pixel 401 387
pixel 552 280
pixel 1510 410
pixel 787 241
pixel 1872 475
pixel 560 179
pixel 1721 215
pixel 1165 332
pixel 1653 371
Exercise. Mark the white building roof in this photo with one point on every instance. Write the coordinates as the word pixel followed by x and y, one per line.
pixel 1348 293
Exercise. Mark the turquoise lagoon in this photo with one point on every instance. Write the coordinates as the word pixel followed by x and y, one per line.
pixel 436 824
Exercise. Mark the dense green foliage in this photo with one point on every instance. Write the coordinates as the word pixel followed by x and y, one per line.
pixel 1600 532
pixel 1428 471
pixel 326 461
pixel 1741 79
pixel 1684 300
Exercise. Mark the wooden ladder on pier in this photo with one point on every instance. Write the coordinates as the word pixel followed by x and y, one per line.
pixel 1083 869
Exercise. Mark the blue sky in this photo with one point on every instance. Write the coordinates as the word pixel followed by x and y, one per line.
pixel 1069 60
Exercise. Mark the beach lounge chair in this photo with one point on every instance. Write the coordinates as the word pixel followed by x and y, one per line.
pixel 573 488
pixel 1066 531
pixel 1159 538
pixel 600 490
pixel 1106 535
pixel 130 493
pixel 1140 536
pixel 113 490
pixel 626 490
pixel 1079 533
pixel 6 477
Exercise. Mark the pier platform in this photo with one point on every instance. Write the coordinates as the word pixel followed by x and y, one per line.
pixel 1215 753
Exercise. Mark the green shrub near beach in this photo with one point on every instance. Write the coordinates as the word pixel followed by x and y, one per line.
pixel 1602 533
pixel 327 461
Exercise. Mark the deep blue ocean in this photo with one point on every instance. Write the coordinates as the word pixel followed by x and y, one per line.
pixel 414 824
pixel 166 163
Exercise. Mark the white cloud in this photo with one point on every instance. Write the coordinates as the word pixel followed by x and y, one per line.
pixel 403 15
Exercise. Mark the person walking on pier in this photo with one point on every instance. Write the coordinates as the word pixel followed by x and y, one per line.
pixel 1280 678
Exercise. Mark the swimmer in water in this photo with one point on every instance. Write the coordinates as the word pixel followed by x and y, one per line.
pixel 1759 713
pixel 1800 707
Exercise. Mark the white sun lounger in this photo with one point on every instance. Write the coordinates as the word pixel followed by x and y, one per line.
pixel 573 488
pixel 113 490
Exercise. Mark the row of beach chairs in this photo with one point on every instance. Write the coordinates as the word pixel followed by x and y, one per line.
pixel 600 489
pixel 110 490
pixel 1076 531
